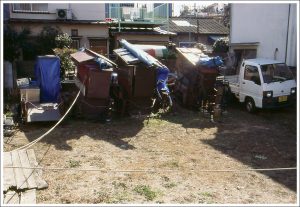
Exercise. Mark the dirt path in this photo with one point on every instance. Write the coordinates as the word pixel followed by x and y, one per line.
pixel 185 143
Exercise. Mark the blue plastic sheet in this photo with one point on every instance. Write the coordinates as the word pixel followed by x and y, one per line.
pixel 211 61
pixel 162 77
pixel 47 73
pixel 103 64
pixel 162 70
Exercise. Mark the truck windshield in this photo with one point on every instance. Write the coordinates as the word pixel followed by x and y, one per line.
pixel 276 73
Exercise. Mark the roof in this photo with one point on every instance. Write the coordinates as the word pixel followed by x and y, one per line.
pixel 58 21
pixel 263 61
pixel 185 25
pixel 88 55
pixel 142 31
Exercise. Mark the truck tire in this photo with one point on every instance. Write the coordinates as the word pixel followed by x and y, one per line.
pixel 250 105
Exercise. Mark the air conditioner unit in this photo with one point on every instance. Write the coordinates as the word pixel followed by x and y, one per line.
pixel 63 14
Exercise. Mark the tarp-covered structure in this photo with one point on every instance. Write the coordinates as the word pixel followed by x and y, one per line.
pixel 47 73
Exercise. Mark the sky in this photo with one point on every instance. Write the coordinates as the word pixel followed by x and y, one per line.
pixel 178 5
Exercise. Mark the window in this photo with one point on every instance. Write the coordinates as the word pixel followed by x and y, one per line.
pixel 99 46
pixel 252 74
pixel 30 7
pixel 127 5
pixel 187 44
pixel 74 32
pixel 75 43
pixel 276 73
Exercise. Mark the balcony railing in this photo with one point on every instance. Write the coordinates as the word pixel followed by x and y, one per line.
pixel 157 15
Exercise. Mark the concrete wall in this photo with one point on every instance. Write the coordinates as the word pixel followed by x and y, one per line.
pixel 85 11
pixel 268 25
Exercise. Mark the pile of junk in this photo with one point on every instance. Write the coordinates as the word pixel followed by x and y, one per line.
pixel 137 80
pixel 40 96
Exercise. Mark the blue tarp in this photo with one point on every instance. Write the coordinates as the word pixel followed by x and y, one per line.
pixel 162 77
pixel 47 73
pixel 103 64
pixel 162 70
pixel 210 61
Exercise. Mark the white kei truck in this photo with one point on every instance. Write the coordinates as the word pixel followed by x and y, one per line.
pixel 263 83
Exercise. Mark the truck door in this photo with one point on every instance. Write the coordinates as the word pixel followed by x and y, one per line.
pixel 251 85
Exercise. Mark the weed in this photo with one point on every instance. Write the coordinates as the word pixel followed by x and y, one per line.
pixel 165 178
pixel 102 197
pixel 146 191
pixel 119 185
pixel 170 185
pixel 74 163
pixel 171 164
pixel 206 194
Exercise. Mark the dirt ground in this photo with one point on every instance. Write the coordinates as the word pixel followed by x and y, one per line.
pixel 185 144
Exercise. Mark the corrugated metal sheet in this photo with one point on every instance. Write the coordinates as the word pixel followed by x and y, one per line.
pixel 206 26
pixel 126 56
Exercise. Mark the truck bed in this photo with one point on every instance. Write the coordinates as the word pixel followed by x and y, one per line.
pixel 233 81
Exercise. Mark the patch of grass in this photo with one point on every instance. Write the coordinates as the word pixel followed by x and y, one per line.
pixel 120 197
pixel 119 185
pixel 102 197
pixel 206 194
pixel 170 185
pixel 146 191
pixel 171 164
pixel 155 122
pixel 165 178
pixel 74 163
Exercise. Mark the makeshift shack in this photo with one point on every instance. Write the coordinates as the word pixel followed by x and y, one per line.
pixel 197 73
pixel 141 77
pixel 40 98
pixel 94 79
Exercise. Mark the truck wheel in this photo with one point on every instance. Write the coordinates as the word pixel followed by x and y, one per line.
pixel 250 105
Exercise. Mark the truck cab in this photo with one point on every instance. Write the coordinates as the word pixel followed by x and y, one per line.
pixel 263 83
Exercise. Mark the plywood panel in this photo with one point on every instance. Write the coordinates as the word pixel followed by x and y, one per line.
pixel 29 175
pixel 19 175
pixel 8 173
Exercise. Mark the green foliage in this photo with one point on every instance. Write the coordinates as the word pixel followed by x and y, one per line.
pixel 46 39
pixel 14 42
pixel 63 40
pixel 146 191
pixel 221 45
pixel 66 64
pixel 63 51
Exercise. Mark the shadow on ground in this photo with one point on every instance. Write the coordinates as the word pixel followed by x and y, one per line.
pixel 266 139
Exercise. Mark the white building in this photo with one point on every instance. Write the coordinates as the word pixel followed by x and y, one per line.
pixel 264 30
pixel 85 23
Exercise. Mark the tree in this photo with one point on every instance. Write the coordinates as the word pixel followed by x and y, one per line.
pixel 14 42
pixel 63 51
pixel 46 39
pixel 63 40
pixel 221 45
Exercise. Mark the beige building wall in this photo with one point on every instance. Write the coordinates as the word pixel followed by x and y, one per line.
pixel 85 11
pixel 85 30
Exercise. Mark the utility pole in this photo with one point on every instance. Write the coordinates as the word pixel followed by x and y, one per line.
pixel 197 30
